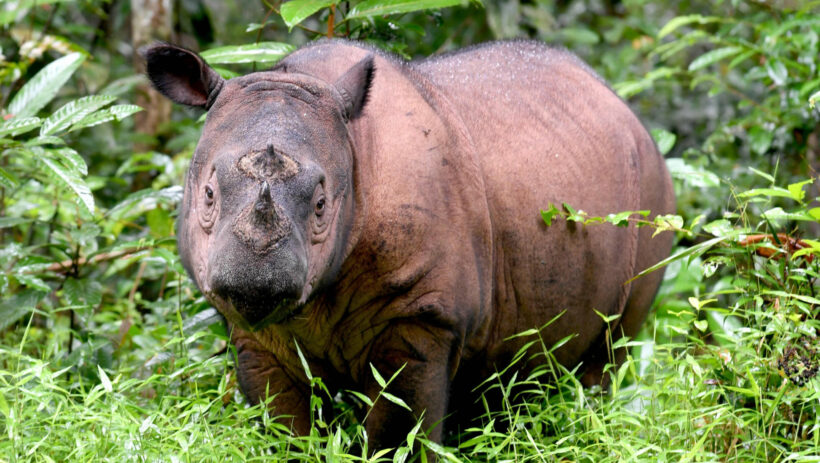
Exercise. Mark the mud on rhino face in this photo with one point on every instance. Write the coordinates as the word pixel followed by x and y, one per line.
pixel 268 200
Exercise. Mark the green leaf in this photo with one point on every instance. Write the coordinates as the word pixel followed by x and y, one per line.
pixel 17 125
pixel 680 21
pixel 713 56
pixel 667 222
pixel 378 377
pixel 106 383
pixel 114 113
pixel 549 214
pixel 720 227
pixel 760 139
pixel 815 212
pixel 7 180
pixel 774 191
pixel 71 159
pixel 82 292
pixel 665 140
pixel 691 251
pixel 369 8
pixel 796 190
pixel 45 140
pixel 71 181
pixel 814 99
pixel 42 88
pixel 777 72
pixel 7 222
pixel 73 112
pixel 201 320
pixel 365 399
pixel 296 11
pixel 145 200
pixel 693 175
pixel 19 305
pixel 262 52
pixel 390 397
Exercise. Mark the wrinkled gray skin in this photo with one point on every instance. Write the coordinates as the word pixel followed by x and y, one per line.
pixel 387 212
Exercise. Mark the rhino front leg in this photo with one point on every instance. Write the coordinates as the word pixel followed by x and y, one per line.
pixel 260 374
pixel 428 358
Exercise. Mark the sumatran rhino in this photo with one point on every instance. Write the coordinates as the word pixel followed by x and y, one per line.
pixel 376 211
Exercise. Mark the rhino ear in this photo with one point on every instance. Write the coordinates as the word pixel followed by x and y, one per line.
pixel 354 86
pixel 181 75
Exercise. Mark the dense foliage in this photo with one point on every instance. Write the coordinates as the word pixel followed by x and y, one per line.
pixel 107 351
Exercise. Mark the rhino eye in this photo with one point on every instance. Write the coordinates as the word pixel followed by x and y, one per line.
pixel 209 195
pixel 320 206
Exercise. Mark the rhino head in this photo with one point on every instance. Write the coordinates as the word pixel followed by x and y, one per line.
pixel 268 204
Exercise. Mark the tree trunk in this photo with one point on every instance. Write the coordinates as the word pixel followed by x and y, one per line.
pixel 151 20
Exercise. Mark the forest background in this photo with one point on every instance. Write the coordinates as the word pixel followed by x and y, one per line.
pixel 108 352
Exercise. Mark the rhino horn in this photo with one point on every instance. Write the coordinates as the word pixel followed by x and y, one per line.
pixel 264 203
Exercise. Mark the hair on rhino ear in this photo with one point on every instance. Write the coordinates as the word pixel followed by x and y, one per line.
pixel 354 86
pixel 181 75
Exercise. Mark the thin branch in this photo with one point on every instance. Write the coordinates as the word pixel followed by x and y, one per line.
pixel 66 265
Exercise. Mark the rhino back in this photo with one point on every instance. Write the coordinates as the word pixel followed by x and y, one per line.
pixel 547 130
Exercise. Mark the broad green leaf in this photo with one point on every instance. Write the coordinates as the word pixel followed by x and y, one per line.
pixel 82 292
pixel 7 180
pixel 713 56
pixel 680 21
pixel 777 72
pixel 70 158
pixel 45 140
pixel 6 222
pixel 665 140
pixel 797 191
pixel 760 139
pixel 17 125
pixel 42 88
pixel 815 213
pixel 693 175
pixel 386 7
pixel 201 320
pixel 71 181
pixel 720 227
pixel 19 305
pixel 548 215
pixel 667 222
pixel 145 200
pixel 73 112
pixel 121 111
pixel 296 11
pixel 114 113
pixel 262 52
pixel 774 191
pixel 621 219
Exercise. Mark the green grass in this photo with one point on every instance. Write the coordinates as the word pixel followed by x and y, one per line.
pixel 680 396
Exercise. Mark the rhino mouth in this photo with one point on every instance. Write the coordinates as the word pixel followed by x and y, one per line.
pixel 255 314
